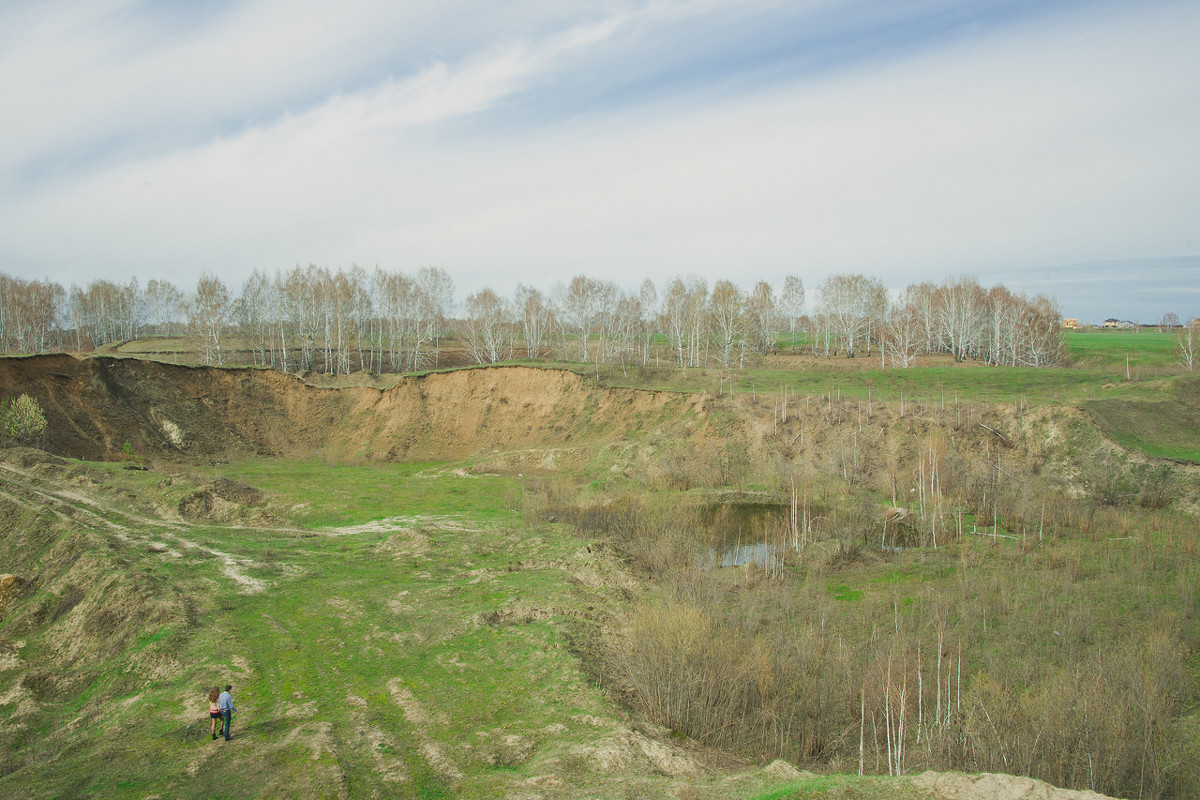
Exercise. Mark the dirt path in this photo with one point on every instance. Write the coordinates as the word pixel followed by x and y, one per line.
pixel 19 484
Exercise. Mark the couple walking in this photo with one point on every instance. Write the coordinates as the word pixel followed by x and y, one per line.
pixel 220 707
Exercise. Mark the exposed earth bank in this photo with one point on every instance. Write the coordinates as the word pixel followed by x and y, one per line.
pixel 95 405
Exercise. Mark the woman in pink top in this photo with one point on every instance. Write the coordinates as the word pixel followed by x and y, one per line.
pixel 214 711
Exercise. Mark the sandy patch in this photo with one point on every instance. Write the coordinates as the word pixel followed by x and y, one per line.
pixel 956 786
pixel 306 711
pixel 421 721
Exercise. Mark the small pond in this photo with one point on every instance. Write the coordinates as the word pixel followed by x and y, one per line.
pixel 744 534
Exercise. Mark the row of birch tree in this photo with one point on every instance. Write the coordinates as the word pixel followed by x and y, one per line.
pixel 341 321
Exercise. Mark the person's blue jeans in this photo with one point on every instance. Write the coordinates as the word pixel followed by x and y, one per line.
pixel 226 719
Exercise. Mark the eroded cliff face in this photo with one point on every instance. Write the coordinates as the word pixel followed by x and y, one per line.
pixel 95 405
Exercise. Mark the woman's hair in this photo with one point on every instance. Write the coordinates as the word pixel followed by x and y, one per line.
pixel 214 693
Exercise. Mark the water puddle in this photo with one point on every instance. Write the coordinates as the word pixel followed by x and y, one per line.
pixel 745 534
pixel 761 554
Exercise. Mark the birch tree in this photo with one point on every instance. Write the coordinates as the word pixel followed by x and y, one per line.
pixel 30 315
pixel 535 319
pixel 488 331
pixel 844 311
pixel 904 337
pixel 961 313
pixel 791 304
pixel 435 295
pixel 254 310
pixel 762 316
pixel 1185 343
pixel 208 315
pixel 164 305
pixel 683 315
pixel 648 307
pixel 580 309
pixel 727 315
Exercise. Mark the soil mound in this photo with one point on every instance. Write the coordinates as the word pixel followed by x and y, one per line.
pixel 955 786
pixel 11 586
pixel 237 492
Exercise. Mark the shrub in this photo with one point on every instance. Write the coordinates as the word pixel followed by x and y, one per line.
pixel 23 420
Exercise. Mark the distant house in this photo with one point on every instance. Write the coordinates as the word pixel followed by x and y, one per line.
pixel 1070 323
pixel 1112 322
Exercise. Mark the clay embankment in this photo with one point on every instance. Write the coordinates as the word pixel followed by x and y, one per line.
pixel 95 405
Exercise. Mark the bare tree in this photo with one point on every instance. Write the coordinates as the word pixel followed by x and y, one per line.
pixel 164 305
pixel 395 296
pixel 361 309
pixel 1042 335
pixel 488 331
pixel 648 306
pixel 435 295
pixel 762 313
pixel 535 319
pixel 904 337
pixel 107 312
pixel 609 323
pixel 623 330
pixel 844 311
pixel 253 312
pixel 791 303
pixel 209 313
pixel 683 315
pixel 962 310
pixel 1186 340
pixel 727 322
pixel 30 313
pixel 874 311
pixel 580 309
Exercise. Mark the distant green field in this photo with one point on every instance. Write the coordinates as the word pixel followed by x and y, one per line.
pixel 1109 348
pixel 924 385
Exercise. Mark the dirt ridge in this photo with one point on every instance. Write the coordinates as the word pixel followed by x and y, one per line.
pixel 94 405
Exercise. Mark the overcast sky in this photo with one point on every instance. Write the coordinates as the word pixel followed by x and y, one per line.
pixel 531 140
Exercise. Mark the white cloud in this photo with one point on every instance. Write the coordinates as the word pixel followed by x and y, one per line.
pixel 1066 141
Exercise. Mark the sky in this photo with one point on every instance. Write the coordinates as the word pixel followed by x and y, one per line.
pixel 1050 145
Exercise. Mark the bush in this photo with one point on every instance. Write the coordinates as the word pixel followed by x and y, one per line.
pixel 23 420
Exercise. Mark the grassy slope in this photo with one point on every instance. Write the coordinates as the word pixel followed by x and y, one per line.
pixel 375 665
pixel 345 617
pixel 369 651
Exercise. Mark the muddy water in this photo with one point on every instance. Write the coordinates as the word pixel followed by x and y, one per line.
pixel 744 534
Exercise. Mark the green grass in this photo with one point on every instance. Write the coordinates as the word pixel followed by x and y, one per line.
pixel 842 787
pixel 928 385
pixel 348 622
pixel 1100 348
pixel 1165 428
pixel 846 593
pixel 318 494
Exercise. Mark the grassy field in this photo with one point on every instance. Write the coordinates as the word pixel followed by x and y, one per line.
pixel 402 633
pixel 405 630
pixel 422 630
pixel 354 653
pixel 1109 349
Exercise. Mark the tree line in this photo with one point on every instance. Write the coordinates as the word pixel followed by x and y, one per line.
pixel 349 320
